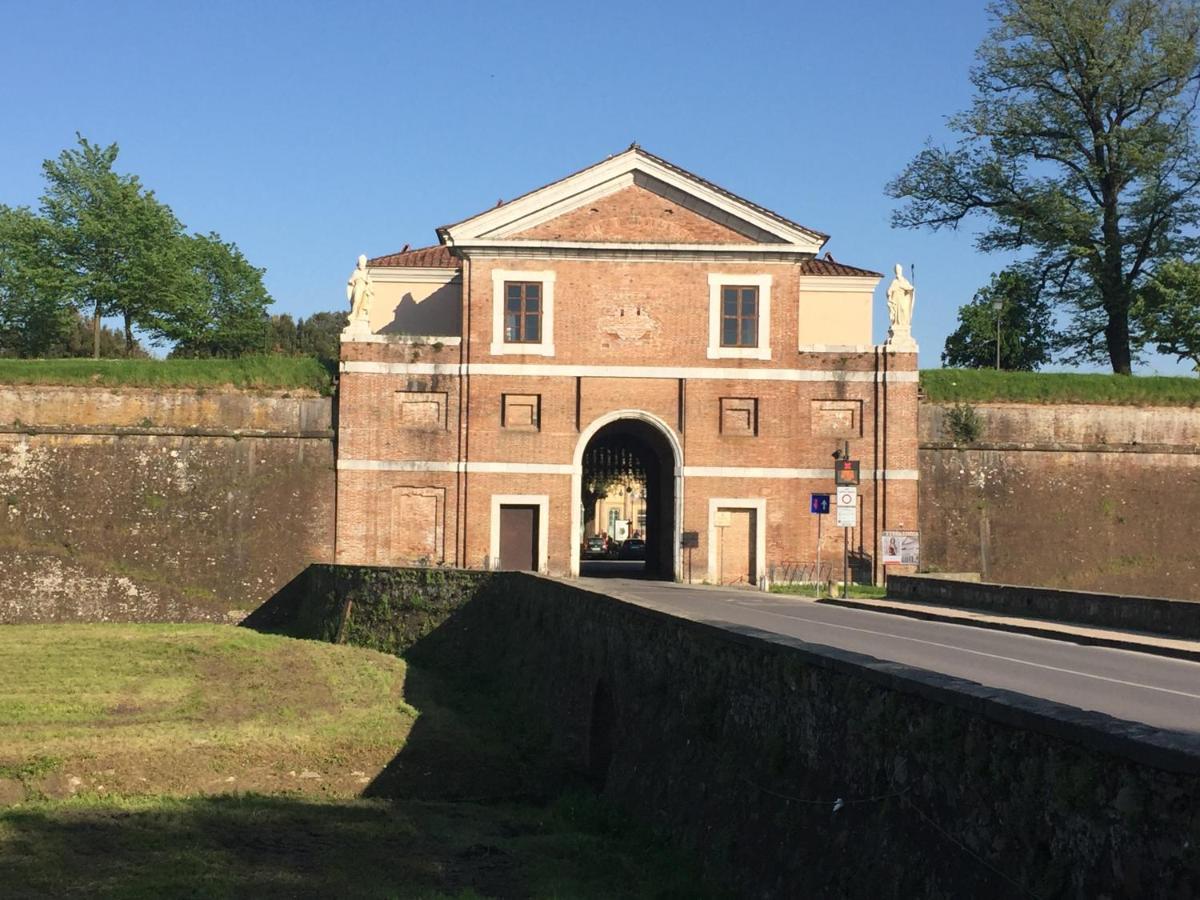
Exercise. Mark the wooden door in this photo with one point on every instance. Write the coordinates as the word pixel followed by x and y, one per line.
pixel 519 538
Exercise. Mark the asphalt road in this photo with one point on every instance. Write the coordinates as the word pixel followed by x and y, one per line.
pixel 1157 691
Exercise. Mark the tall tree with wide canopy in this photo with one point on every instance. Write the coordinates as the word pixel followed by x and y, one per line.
pixel 121 251
pixel 1079 149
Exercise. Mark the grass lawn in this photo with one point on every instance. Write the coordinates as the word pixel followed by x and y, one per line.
pixel 191 709
pixel 210 761
pixel 987 385
pixel 263 373
pixel 869 591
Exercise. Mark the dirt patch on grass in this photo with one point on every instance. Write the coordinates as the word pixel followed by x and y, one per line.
pixel 11 791
pixel 333 772
pixel 255 684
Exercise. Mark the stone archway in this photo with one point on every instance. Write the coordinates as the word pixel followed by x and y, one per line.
pixel 653 442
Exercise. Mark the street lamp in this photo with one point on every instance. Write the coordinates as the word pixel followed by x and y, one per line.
pixel 997 305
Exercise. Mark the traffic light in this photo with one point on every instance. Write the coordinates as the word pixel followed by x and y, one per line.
pixel 845 472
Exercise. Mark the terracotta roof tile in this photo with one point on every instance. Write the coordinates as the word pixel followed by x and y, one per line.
pixel 436 257
pixel 829 267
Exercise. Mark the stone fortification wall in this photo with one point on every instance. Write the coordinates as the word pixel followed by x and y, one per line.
pixel 1155 615
pixel 793 770
pixel 147 505
pixel 1099 498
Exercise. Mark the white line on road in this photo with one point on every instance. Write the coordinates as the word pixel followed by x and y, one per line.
pixel 1023 662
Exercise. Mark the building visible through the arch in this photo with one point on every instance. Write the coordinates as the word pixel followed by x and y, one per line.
pixel 631 327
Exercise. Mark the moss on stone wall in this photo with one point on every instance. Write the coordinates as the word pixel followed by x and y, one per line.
pixel 385 609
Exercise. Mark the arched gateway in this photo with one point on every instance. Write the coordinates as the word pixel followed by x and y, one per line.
pixel 489 381
pixel 651 449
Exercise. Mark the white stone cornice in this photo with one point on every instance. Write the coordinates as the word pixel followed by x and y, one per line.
pixel 757 254
pixel 857 284
pixel 422 340
pixel 413 275
pixel 640 246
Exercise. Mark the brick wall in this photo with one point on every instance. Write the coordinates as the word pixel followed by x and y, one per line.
pixel 799 422
pixel 630 268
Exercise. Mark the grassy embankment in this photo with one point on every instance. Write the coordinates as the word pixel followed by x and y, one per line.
pixel 258 373
pixel 868 591
pixel 147 761
pixel 989 386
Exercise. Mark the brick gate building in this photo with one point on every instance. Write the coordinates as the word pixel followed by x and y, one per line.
pixel 631 311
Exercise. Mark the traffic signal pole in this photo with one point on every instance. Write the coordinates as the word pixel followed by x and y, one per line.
pixel 853 465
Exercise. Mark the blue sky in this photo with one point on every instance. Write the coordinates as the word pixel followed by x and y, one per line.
pixel 311 132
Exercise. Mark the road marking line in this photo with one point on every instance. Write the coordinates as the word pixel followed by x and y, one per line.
pixel 1023 662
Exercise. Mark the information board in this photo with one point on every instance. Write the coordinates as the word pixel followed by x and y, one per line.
pixel 847 507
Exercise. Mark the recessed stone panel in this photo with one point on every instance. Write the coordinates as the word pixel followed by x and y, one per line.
pixel 417 525
pixel 521 412
pixel 837 418
pixel 421 410
pixel 739 416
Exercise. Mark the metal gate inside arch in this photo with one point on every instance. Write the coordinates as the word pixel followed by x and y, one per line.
pixel 627 497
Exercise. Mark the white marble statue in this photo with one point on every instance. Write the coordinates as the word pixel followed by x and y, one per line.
pixel 359 292
pixel 900 298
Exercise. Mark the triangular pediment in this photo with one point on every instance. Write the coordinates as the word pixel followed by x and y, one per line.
pixel 639 213
pixel 632 198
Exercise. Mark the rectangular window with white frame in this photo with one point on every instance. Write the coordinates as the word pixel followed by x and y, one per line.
pixel 522 313
pixel 739 316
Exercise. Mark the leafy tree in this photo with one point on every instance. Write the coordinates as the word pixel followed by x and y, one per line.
pixel 120 251
pixel 281 335
pixel 34 317
pixel 320 335
pixel 1079 148
pixel 223 311
pixel 1026 333
pixel 1168 308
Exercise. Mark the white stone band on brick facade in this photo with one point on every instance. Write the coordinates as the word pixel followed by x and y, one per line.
pixel 515 468
pixel 568 371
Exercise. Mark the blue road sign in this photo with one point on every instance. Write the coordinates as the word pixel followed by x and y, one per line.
pixel 820 504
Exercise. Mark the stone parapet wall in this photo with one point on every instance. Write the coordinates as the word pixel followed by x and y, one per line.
pixel 1174 618
pixel 25 408
pixel 801 771
pixel 1073 425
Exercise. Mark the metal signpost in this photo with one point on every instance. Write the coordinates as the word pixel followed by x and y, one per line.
pixel 847 518
pixel 845 478
pixel 819 504
pixel 689 541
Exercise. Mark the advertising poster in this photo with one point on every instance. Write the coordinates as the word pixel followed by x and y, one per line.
pixel 900 548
